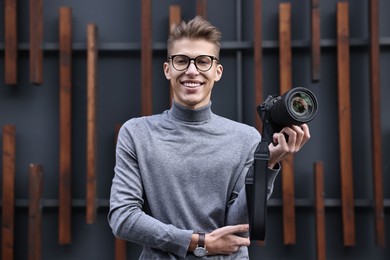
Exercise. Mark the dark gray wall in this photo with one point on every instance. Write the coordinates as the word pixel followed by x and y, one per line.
pixel 35 112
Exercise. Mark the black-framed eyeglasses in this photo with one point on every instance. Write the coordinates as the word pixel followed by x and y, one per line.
pixel 202 63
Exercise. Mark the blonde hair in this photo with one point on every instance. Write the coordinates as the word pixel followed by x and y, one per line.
pixel 195 29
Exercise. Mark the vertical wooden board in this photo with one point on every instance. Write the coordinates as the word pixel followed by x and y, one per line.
pixel 320 211
pixel 146 58
pixel 120 245
pixel 315 41
pixel 10 42
pixel 8 194
pixel 92 56
pixel 174 19
pixel 120 249
pixel 285 85
pixel 174 16
pixel 258 58
pixel 376 123
pixel 344 112
pixel 201 8
pixel 65 196
pixel 35 212
pixel 36 40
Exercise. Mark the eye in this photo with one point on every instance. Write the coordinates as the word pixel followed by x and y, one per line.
pixel 203 60
pixel 180 60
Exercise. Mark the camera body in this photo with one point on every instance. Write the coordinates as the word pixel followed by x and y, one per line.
pixel 295 107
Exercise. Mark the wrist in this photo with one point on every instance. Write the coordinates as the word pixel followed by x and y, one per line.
pixel 200 249
pixel 193 242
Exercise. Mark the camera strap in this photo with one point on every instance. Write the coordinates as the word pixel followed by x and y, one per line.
pixel 257 179
pixel 256 192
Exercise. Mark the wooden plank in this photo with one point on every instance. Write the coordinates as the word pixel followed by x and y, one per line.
pixel 92 56
pixel 315 41
pixel 8 194
pixel 174 16
pixel 11 42
pixel 174 19
pixel 120 249
pixel 146 58
pixel 201 8
pixel 120 244
pixel 65 195
pixel 258 58
pixel 35 212
pixel 285 85
pixel 376 123
pixel 36 41
pixel 320 210
pixel 344 112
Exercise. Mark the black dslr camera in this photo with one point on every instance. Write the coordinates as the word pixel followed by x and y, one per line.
pixel 295 107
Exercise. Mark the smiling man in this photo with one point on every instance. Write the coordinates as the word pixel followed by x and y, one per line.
pixel 178 187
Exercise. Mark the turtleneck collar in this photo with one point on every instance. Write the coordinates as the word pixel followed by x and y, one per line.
pixel 200 115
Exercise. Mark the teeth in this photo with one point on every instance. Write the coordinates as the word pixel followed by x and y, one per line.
pixel 191 84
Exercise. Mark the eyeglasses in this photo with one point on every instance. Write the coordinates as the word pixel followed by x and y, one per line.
pixel 202 63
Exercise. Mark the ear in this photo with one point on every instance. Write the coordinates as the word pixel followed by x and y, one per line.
pixel 167 71
pixel 218 73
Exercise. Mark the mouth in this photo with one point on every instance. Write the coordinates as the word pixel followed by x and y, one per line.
pixel 191 84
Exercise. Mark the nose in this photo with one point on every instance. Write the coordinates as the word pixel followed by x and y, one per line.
pixel 192 68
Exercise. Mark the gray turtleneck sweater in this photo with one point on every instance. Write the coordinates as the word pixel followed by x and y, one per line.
pixel 179 172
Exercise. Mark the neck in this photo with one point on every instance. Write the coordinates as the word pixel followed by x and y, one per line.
pixel 197 115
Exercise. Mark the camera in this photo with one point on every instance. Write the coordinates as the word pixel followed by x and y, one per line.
pixel 295 107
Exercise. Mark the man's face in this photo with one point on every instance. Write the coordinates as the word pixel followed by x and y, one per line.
pixel 191 87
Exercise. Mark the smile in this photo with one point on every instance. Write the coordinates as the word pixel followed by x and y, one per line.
pixel 192 84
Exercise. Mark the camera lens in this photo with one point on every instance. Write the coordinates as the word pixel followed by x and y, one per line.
pixel 301 104
pixel 295 107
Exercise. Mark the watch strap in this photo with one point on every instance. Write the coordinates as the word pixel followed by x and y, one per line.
pixel 201 239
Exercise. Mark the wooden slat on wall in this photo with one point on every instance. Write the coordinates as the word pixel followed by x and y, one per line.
pixel 36 40
pixel 174 19
pixel 376 123
pixel 65 196
pixel 258 58
pixel 8 194
pixel 285 85
pixel 315 41
pixel 120 244
pixel 201 8
pixel 35 212
pixel 92 56
pixel 11 42
pixel 174 16
pixel 344 104
pixel 146 58
pixel 320 211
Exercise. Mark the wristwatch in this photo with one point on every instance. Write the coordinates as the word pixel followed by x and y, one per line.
pixel 200 250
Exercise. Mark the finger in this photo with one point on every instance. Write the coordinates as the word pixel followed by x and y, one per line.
pixel 292 138
pixel 279 138
pixel 299 137
pixel 227 230
pixel 306 131
pixel 244 242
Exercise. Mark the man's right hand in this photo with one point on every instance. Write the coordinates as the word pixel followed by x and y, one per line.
pixel 227 240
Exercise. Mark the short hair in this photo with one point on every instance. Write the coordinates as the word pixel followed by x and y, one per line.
pixel 196 29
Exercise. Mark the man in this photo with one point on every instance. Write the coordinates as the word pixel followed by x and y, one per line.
pixel 179 177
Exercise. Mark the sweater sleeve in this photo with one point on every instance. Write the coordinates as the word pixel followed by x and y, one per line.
pixel 126 215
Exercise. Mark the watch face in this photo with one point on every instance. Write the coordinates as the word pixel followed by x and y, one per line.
pixel 200 251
